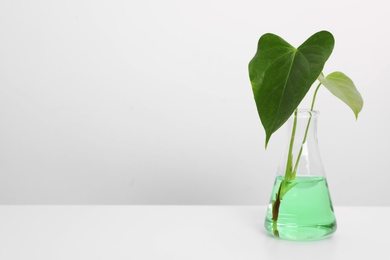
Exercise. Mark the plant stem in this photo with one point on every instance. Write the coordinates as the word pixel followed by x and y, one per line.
pixel 306 132
pixel 275 211
pixel 290 173
pixel 289 166
pixel 288 176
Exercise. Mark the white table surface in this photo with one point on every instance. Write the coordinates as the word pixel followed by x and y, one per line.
pixel 180 232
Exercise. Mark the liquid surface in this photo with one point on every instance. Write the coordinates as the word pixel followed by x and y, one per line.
pixel 305 212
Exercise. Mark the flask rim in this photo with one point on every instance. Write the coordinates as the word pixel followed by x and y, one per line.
pixel 306 113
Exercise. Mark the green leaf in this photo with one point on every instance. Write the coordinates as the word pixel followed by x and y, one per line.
pixel 342 87
pixel 281 75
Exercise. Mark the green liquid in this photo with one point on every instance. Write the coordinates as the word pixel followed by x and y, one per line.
pixel 305 212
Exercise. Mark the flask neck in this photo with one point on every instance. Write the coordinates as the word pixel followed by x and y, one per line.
pixel 302 146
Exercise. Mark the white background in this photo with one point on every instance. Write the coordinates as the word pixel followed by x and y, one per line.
pixel 149 102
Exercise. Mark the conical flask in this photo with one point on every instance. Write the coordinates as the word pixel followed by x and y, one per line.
pixel 300 207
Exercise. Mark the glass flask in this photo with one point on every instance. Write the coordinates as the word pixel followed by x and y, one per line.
pixel 300 207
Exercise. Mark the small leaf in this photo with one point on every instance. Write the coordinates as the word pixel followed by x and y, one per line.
pixel 281 75
pixel 285 187
pixel 342 87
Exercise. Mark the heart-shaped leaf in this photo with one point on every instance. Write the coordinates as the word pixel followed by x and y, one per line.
pixel 342 87
pixel 281 75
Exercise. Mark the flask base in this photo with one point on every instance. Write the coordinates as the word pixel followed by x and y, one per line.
pixel 301 233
